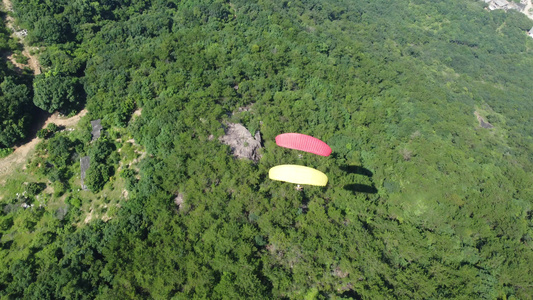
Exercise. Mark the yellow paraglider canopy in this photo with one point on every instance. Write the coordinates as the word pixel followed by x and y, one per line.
pixel 298 174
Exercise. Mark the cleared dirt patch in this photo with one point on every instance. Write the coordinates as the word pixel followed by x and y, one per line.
pixel 22 152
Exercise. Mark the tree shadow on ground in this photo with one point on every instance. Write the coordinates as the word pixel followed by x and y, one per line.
pixel 38 118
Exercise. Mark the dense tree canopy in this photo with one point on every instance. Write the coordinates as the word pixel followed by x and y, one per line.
pixel 15 108
pixel 15 97
pixel 56 92
pixel 102 164
pixel 422 202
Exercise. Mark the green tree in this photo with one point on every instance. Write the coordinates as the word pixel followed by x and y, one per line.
pixel 14 111
pixel 56 92
pixel 34 188
pixel 97 176
pixel 49 30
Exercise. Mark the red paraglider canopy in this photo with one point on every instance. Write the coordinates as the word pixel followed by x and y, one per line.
pixel 303 142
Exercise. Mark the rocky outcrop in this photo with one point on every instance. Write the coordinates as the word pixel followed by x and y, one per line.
pixel 85 162
pixel 482 122
pixel 97 128
pixel 524 6
pixel 241 141
pixel 504 4
pixel 179 200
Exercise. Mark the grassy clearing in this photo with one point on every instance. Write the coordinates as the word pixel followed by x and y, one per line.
pixel 55 202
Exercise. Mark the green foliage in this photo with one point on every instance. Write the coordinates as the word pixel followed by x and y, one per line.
pixel 56 92
pixel 74 201
pixel 5 152
pixel 49 30
pixel 101 150
pixel 128 152
pixel 60 150
pixel 34 188
pixel 43 133
pixel 15 95
pixel 47 132
pixel 421 203
pixel 131 178
pixel 58 185
pixel 6 222
pixel 14 112
pixel 52 127
pixel 102 155
pixel 21 58
pixel 96 176
pixel 56 157
pixel 126 109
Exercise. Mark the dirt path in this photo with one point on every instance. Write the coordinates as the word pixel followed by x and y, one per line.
pixel 21 153
pixel 33 62
pixel 8 7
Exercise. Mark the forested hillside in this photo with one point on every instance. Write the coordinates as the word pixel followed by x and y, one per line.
pixel 15 95
pixel 422 202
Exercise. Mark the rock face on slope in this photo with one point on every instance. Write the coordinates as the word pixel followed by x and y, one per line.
pixel 482 122
pixel 524 6
pixel 179 200
pixel 241 141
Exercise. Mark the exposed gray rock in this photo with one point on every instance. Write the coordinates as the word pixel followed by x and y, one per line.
pixel 524 6
pixel 482 122
pixel 180 198
pixel 97 128
pixel 241 141
pixel 84 165
pixel 21 33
